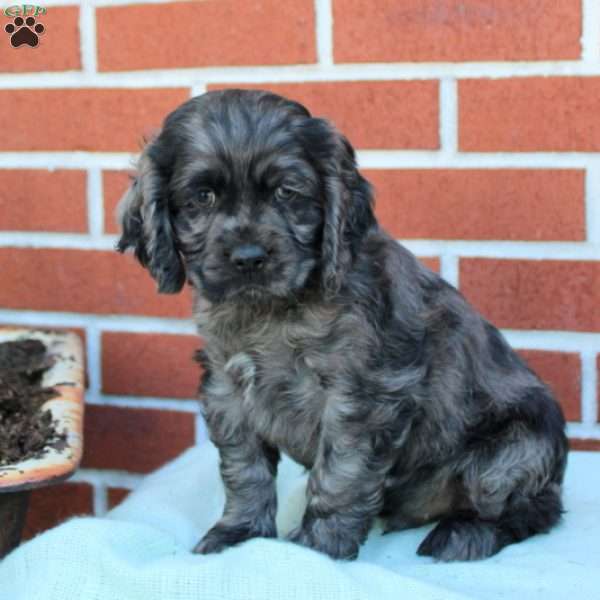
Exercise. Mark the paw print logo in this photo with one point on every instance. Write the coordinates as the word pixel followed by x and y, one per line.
pixel 24 32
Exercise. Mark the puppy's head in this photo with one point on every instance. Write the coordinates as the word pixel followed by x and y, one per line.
pixel 248 197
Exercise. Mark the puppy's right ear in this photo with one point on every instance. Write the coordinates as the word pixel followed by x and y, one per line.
pixel 143 213
pixel 129 217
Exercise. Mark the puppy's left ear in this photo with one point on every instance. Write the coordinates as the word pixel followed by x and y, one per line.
pixel 143 213
pixel 348 199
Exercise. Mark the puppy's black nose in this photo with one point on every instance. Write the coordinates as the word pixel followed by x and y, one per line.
pixel 248 257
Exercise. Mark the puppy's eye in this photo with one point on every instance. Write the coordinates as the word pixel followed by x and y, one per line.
pixel 207 197
pixel 284 193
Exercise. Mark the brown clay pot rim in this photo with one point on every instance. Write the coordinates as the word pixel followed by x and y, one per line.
pixel 68 378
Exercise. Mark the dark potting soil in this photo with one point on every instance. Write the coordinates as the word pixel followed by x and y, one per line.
pixel 25 430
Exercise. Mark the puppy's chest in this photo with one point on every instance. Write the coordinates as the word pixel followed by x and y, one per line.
pixel 280 392
pixel 287 400
pixel 277 375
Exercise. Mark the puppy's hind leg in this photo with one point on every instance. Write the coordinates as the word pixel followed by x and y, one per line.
pixel 470 537
pixel 511 495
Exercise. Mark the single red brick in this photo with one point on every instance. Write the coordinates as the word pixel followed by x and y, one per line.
pixel 534 294
pixel 100 119
pixel 562 371
pixel 481 204
pixel 598 370
pixel 57 49
pixel 529 114
pixel 584 444
pixel 372 114
pixel 209 33
pixel 50 506
pixel 87 281
pixel 454 30
pixel 150 364
pixel 432 263
pixel 115 184
pixel 134 439
pixel 116 495
pixel 36 200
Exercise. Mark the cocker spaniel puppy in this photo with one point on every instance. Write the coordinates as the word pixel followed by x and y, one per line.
pixel 327 340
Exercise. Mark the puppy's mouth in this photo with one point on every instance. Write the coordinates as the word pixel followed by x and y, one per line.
pixel 250 293
pixel 248 285
pixel 221 287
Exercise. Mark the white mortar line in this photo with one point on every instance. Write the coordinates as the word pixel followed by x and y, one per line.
pixel 590 35
pixel 449 269
pixel 324 32
pixel 583 431
pixel 393 159
pixel 117 323
pixel 589 387
pixel 367 159
pixel 576 429
pixel 87 32
pixel 190 405
pixel 592 196
pixel 292 73
pixel 448 133
pixel 448 117
pixel 558 341
pixel 94 360
pixel 500 249
pixel 133 324
pixel 44 239
pixel 197 89
pixel 67 160
pixel 265 74
pixel 95 206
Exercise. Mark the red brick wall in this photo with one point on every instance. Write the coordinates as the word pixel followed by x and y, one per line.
pixel 477 121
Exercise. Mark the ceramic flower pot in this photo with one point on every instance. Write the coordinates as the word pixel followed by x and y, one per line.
pixel 58 461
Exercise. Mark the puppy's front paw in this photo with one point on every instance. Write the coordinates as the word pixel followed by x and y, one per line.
pixel 223 536
pixel 321 536
pixel 215 540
